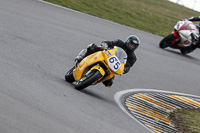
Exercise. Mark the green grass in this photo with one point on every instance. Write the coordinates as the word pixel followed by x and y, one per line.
pixel 186 120
pixel 153 16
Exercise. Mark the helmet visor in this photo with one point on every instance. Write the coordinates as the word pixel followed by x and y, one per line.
pixel 133 45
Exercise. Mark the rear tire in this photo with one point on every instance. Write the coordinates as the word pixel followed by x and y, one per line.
pixel 69 75
pixel 167 41
pixel 186 51
pixel 183 51
pixel 95 75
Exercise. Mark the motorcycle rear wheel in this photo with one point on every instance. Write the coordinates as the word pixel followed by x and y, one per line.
pixel 69 75
pixel 94 76
pixel 186 51
pixel 167 41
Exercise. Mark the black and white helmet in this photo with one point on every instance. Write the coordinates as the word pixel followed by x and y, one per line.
pixel 132 42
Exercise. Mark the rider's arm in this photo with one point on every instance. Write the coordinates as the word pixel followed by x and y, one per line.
pixel 130 61
pixel 92 48
pixel 194 19
pixel 111 44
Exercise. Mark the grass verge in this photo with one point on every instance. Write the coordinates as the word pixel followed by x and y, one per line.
pixel 186 120
pixel 153 16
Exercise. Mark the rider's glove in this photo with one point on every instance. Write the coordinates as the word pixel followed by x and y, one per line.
pixel 91 46
pixel 126 69
pixel 104 45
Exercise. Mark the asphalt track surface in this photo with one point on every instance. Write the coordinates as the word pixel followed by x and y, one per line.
pixel 38 44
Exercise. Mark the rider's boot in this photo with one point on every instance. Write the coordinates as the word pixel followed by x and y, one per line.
pixel 91 48
pixel 109 82
pixel 198 44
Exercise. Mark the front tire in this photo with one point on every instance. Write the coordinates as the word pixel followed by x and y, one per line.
pixel 84 82
pixel 167 41
pixel 69 75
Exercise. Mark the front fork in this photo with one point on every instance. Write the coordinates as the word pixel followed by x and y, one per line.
pixel 99 68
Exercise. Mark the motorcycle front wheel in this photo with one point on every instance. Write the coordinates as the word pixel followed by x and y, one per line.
pixel 69 75
pixel 167 41
pixel 88 79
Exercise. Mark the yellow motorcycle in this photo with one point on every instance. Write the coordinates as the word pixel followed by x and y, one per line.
pixel 97 67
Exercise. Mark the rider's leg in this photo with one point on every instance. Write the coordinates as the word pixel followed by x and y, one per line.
pixel 91 48
pixel 80 56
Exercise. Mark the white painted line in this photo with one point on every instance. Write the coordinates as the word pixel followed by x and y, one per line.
pixel 78 12
pixel 117 98
pixel 57 5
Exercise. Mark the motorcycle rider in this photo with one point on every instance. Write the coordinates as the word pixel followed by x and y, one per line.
pixel 195 40
pixel 129 46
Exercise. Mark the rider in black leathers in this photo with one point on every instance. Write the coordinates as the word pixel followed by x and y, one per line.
pixel 129 46
pixel 194 19
pixel 196 41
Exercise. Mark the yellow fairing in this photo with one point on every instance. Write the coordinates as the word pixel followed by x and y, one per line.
pixel 85 63
pixel 120 70
pixel 103 57
pixel 100 69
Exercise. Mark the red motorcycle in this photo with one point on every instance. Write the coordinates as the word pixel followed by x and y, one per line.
pixel 184 35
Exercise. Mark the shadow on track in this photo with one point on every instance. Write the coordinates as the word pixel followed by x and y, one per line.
pixel 92 94
pixel 87 92
pixel 187 56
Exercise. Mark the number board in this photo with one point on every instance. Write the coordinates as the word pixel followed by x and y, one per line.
pixel 114 63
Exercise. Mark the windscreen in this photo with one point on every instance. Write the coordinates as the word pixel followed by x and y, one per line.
pixel 189 25
pixel 121 55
